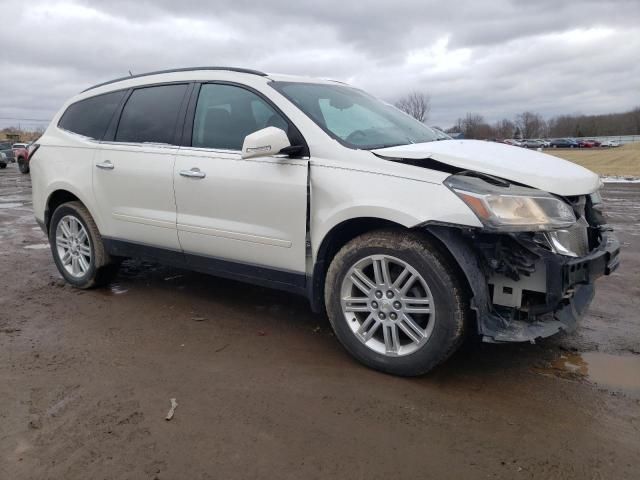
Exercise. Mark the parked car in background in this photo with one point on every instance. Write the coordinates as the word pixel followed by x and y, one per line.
pixel 3 160
pixel 563 143
pixel 596 143
pixel 586 144
pixel 21 155
pixel 5 147
pixel 609 143
pixel 530 143
pixel 406 243
pixel 512 141
pixel 545 143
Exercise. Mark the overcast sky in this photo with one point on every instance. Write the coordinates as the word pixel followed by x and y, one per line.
pixel 494 57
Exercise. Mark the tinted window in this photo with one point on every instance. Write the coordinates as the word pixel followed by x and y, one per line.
pixel 91 117
pixel 226 114
pixel 150 114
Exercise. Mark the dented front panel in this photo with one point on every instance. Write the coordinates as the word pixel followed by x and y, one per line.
pixel 522 290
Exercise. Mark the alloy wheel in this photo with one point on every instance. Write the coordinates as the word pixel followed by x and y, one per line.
pixel 73 246
pixel 388 305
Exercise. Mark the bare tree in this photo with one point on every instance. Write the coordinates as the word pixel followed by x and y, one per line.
pixel 504 128
pixel 415 104
pixel 473 125
pixel 530 124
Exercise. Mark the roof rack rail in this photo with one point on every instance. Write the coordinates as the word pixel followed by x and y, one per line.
pixel 173 70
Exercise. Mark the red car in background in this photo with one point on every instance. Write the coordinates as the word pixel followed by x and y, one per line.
pixel 586 144
pixel 21 152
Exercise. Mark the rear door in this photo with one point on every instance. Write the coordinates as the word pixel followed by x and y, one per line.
pixel 235 215
pixel 133 173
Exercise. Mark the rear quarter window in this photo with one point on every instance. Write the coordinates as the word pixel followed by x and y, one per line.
pixel 91 117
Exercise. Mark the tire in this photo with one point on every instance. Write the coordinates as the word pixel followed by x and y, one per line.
pixel 441 331
pixel 22 165
pixel 100 268
pixel 3 165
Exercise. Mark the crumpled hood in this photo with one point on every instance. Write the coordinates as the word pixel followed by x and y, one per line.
pixel 528 167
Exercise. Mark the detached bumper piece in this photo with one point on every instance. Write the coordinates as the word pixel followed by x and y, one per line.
pixel 523 291
pixel 602 261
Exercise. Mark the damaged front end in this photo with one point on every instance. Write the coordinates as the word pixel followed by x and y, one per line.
pixel 532 284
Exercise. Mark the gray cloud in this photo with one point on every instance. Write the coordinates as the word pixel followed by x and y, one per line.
pixel 496 58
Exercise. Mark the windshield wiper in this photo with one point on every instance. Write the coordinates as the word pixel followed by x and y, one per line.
pixel 384 145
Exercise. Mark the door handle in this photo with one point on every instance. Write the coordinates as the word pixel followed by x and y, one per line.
pixel 193 173
pixel 106 165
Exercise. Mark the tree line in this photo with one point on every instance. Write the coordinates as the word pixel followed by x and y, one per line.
pixel 533 125
pixel 529 124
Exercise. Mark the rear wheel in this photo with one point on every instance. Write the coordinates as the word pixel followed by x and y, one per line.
pixel 395 302
pixel 23 166
pixel 77 247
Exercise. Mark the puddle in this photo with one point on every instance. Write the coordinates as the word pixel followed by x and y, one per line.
pixel 38 246
pixel 620 373
pixel 117 289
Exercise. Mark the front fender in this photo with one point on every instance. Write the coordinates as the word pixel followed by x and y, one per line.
pixel 339 195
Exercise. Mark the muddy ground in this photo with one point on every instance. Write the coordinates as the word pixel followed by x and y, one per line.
pixel 265 390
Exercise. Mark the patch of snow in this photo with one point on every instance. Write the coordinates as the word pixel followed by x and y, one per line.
pixel 620 179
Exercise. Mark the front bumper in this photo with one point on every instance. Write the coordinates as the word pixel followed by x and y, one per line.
pixel 601 261
pixel 569 287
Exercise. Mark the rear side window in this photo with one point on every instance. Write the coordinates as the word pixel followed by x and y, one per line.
pixel 150 114
pixel 91 117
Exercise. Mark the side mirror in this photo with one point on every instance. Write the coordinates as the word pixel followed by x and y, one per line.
pixel 265 143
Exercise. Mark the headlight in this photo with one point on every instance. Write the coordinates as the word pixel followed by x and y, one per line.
pixel 505 207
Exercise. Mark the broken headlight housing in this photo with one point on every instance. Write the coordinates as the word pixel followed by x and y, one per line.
pixel 505 207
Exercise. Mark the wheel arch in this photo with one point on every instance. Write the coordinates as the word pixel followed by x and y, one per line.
pixel 331 243
pixel 345 231
pixel 59 196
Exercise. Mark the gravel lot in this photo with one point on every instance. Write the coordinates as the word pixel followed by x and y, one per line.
pixel 265 391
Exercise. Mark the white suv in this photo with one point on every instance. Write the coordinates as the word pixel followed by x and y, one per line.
pixel 317 188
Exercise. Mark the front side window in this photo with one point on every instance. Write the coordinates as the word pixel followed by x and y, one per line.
pixel 150 114
pixel 353 117
pixel 91 117
pixel 226 114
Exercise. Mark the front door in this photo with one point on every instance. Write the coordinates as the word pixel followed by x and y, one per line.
pixel 243 216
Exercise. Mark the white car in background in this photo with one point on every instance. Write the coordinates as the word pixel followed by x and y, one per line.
pixel 512 141
pixel 609 143
pixel 317 188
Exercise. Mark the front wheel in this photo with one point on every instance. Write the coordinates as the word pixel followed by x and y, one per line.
pixel 77 247
pixel 396 302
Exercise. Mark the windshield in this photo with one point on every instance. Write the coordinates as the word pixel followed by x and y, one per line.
pixel 354 118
